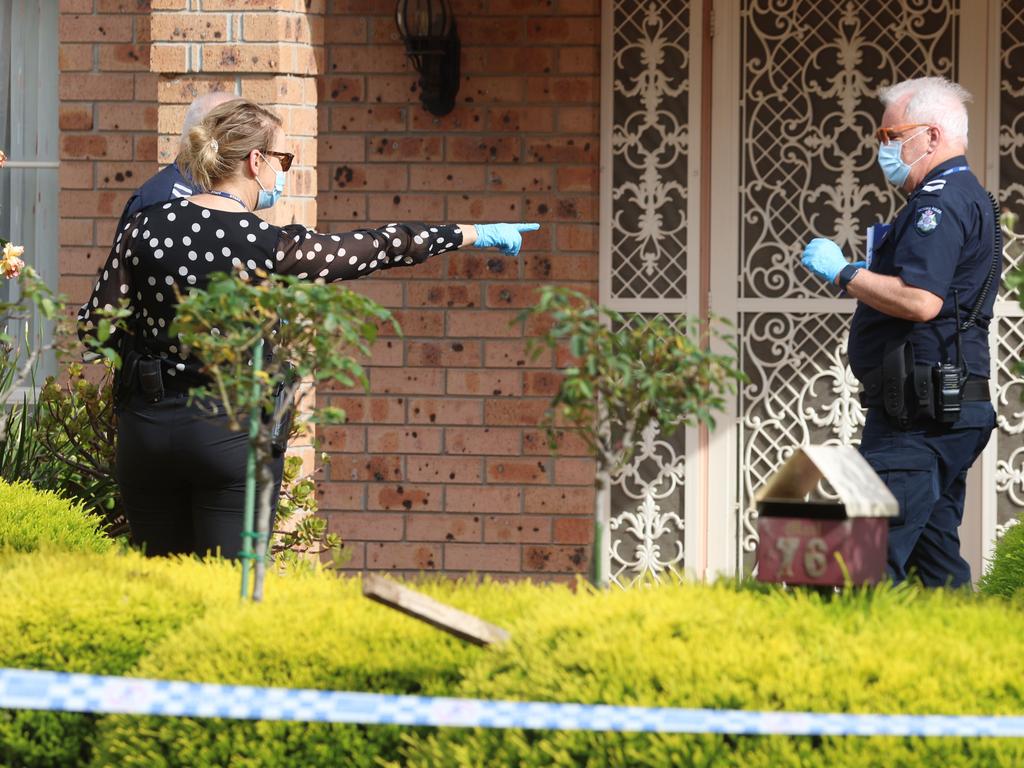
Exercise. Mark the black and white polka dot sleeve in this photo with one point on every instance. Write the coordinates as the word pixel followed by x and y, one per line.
pixel 312 255
pixel 113 288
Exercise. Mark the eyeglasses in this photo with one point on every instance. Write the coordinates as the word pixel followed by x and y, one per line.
pixel 885 135
pixel 285 158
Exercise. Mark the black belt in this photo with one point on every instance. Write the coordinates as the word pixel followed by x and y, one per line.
pixel 975 391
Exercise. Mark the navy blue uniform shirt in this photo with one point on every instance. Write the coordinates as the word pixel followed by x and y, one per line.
pixel 166 185
pixel 942 240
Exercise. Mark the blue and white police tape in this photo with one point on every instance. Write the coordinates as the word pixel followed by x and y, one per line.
pixel 69 692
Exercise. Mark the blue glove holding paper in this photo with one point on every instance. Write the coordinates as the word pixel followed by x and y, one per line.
pixel 824 258
pixel 507 237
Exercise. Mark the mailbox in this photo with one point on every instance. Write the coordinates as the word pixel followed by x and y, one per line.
pixel 811 542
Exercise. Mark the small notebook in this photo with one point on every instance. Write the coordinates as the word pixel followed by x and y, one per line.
pixel 875 236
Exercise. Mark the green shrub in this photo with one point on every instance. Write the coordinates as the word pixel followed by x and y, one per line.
pixel 1005 576
pixel 689 646
pixel 311 631
pixel 93 614
pixel 30 519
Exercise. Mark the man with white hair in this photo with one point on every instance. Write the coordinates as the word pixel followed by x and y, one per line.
pixel 919 336
pixel 168 183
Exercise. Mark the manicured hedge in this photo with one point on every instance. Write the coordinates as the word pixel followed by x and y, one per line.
pixel 94 614
pixel 31 519
pixel 887 651
pixel 1005 576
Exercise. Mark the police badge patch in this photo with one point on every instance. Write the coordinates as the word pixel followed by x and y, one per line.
pixel 928 219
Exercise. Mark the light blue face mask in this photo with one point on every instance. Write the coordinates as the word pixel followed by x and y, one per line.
pixel 890 159
pixel 267 197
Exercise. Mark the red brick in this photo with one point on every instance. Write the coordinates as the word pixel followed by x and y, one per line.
pixel 444 470
pixel 427 322
pixel 79 232
pixel 420 381
pixel 483 441
pixel 472 265
pixel 563 149
pixel 343 438
pixel 375 410
pixel 444 353
pixel 485 323
pixel 489 500
pixel 479 149
pixel 517 529
pixel 124 57
pixel 560 267
pixel 515 412
pixel 74 57
pixel 364 117
pixel 481 557
pixel 443 528
pixel 561 208
pixel 420 557
pixel 406 207
pixel 521 119
pixel 512 296
pixel 559 501
pixel 422 149
pixel 568 443
pixel 517 472
pixel 574 471
pixel 573 530
pixel 356 468
pixel 579 60
pixel 490 207
pixel 416 439
pixel 445 411
pixel 365 527
pixel 461 118
pixel 561 559
pixel 444 295
pixel 520 60
pixel 96 87
pixel 94 29
pixel 75 118
pixel 542 383
pixel 359 176
pixel 123 175
pixel 405 497
pixel 527 178
pixel 444 178
pixel 126 117
pixel 579 120
pixel 493 383
pixel 344 496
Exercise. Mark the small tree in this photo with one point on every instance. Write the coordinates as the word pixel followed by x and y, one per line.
pixel 628 371
pixel 314 330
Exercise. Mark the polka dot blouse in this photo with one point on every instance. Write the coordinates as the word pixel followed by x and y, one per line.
pixel 181 244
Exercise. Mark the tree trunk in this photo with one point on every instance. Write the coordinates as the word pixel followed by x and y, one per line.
pixel 265 480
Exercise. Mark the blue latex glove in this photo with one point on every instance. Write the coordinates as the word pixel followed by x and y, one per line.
pixel 824 258
pixel 507 237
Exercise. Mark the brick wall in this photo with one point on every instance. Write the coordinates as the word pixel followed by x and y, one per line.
pixel 108 119
pixel 442 467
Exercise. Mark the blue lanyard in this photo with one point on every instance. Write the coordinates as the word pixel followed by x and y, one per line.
pixel 229 196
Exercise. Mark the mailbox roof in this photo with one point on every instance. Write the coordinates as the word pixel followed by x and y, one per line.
pixel 858 487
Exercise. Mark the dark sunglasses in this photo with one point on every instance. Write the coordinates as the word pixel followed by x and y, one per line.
pixel 285 158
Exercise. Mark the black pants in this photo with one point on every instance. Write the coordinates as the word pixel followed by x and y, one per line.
pixel 181 472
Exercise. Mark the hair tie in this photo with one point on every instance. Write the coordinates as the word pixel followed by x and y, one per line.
pixel 214 145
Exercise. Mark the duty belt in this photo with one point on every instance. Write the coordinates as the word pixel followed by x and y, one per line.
pixel 975 388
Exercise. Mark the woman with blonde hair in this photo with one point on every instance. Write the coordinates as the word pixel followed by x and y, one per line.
pixel 181 471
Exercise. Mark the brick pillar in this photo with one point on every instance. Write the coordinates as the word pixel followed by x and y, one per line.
pixel 269 51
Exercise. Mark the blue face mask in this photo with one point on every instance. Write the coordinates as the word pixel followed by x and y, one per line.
pixel 890 159
pixel 267 197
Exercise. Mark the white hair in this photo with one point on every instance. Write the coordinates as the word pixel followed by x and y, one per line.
pixel 932 100
pixel 199 107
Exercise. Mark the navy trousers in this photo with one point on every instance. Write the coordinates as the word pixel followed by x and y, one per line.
pixel 181 473
pixel 925 467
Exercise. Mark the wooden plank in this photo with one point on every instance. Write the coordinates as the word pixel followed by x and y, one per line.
pixel 463 625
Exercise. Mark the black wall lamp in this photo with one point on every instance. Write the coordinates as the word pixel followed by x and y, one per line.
pixel 427 28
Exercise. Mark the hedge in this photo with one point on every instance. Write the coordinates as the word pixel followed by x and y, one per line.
pixel 31 518
pixel 888 651
pixel 92 614
pixel 1005 576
